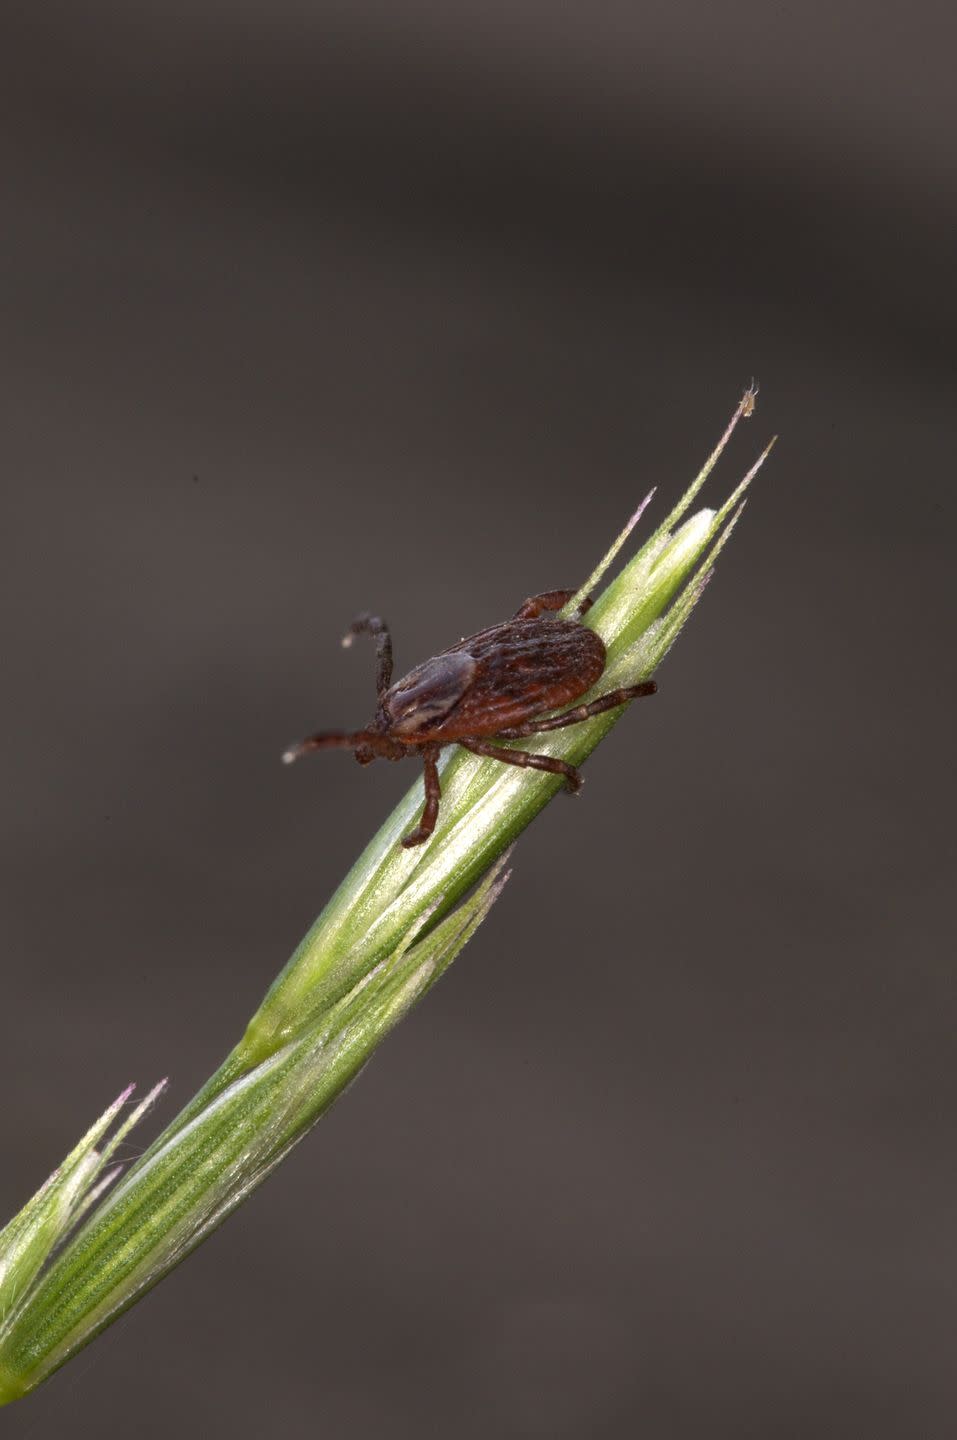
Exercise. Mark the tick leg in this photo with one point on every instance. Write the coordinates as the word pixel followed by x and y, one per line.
pixel 611 701
pixel 433 792
pixel 324 740
pixel 524 759
pixel 550 600
pixel 373 625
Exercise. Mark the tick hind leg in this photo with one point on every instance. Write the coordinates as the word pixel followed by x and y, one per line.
pixel 433 793
pixel 374 625
pixel 611 701
pixel 550 600
pixel 525 760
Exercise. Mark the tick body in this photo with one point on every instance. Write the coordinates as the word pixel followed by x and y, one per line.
pixel 498 685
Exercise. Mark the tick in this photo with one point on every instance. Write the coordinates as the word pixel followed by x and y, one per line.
pixel 497 685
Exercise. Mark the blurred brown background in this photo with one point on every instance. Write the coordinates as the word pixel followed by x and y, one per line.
pixel 312 308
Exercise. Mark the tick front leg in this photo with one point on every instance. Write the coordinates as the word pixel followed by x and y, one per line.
pixel 550 600
pixel 611 701
pixel 526 760
pixel 374 625
pixel 433 793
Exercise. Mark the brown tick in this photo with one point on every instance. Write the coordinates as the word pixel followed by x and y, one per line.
pixel 496 685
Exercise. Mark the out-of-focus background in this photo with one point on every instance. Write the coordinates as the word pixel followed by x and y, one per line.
pixel 314 308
